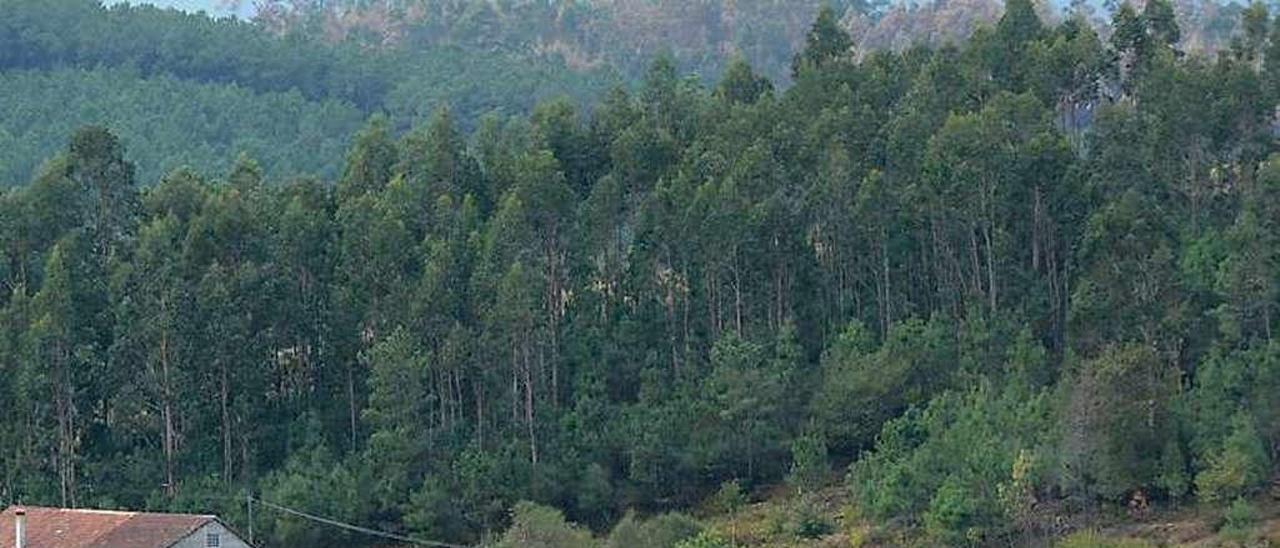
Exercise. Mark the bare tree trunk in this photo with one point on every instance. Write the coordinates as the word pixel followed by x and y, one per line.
pixel 669 308
pixel 1036 227
pixel 65 408
pixel 554 311
pixel 351 401
pixel 713 302
pixel 227 433
pixel 457 398
pixel 975 263
pixel 166 412
pixel 528 406
pixel 515 382
pixel 685 306
pixel 991 266
pixel 778 301
pixel 479 395
pixel 886 305
pixel 737 294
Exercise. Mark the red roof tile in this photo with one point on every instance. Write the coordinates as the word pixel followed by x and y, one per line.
pixel 65 528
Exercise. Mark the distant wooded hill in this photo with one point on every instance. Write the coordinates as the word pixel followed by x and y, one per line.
pixel 189 88
pixel 703 35
pixel 153 73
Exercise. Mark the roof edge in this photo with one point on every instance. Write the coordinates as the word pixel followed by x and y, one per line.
pixel 214 519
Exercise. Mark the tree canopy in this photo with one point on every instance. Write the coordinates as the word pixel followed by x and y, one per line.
pixel 973 278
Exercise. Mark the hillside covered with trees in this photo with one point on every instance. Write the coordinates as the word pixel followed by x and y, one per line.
pixel 703 37
pixel 296 81
pixel 187 89
pixel 982 289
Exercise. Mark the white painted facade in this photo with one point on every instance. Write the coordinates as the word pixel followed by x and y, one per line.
pixel 201 538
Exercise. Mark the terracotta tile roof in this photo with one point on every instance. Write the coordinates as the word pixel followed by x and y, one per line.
pixel 65 528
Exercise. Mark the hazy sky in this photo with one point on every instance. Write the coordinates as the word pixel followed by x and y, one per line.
pixel 217 7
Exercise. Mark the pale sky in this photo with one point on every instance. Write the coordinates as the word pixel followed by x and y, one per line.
pixel 216 7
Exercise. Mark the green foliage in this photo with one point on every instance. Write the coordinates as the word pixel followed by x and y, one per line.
pixel 315 480
pixel 705 539
pixel 1238 468
pixel 695 34
pixel 1094 539
pixel 810 523
pixel 864 386
pixel 954 516
pixel 741 85
pixel 744 402
pixel 1019 24
pixel 190 90
pixel 729 498
pixel 826 43
pixel 595 496
pixel 951 464
pixel 1173 479
pixel 535 526
pixel 663 531
pixel 1116 447
pixel 1161 22
pixel 1129 34
pixel 432 512
pixel 810 467
pixel 1233 399
pixel 991 276
pixel 1239 520
pixel 169 123
pixel 396 403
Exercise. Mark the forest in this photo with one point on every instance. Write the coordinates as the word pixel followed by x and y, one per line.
pixel 296 82
pixel 986 292
pixel 186 89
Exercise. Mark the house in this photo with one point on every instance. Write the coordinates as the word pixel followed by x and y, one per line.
pixel 35 527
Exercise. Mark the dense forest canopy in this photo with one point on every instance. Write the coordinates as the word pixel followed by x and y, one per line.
pixel 703 36
pixel 406 58
pixel 983 288
pixel 186 88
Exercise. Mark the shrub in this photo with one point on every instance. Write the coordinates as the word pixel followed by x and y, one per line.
pixel 809 467
pixel 663 531
pixel 1240 467
pixel 1094 539
pixel 810 523
pixel 537 526
pixel 706 539
pixel 1238 520
pixel 729 498
pixel 954 517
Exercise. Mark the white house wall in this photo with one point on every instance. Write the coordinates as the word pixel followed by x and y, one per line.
pixel 198 538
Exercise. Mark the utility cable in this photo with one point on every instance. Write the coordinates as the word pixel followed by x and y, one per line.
pixel 355 528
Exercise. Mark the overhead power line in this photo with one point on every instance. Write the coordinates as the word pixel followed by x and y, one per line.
pixel 355 528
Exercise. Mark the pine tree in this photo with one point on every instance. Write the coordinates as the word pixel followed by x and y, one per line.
pixel 826 43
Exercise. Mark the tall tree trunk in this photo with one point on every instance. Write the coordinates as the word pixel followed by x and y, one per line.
pixel 991 266
pixel 886 304
pixel 224 397
pixel 554 310
pixel 351 401
pixel 528 404
pixel 166 412
pixel 737 293
pixel 479 397
pixel 669 308
pixel 65 409
pixel 515 381
pixel 1036 227
pixel 975 262
pixel 685 305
